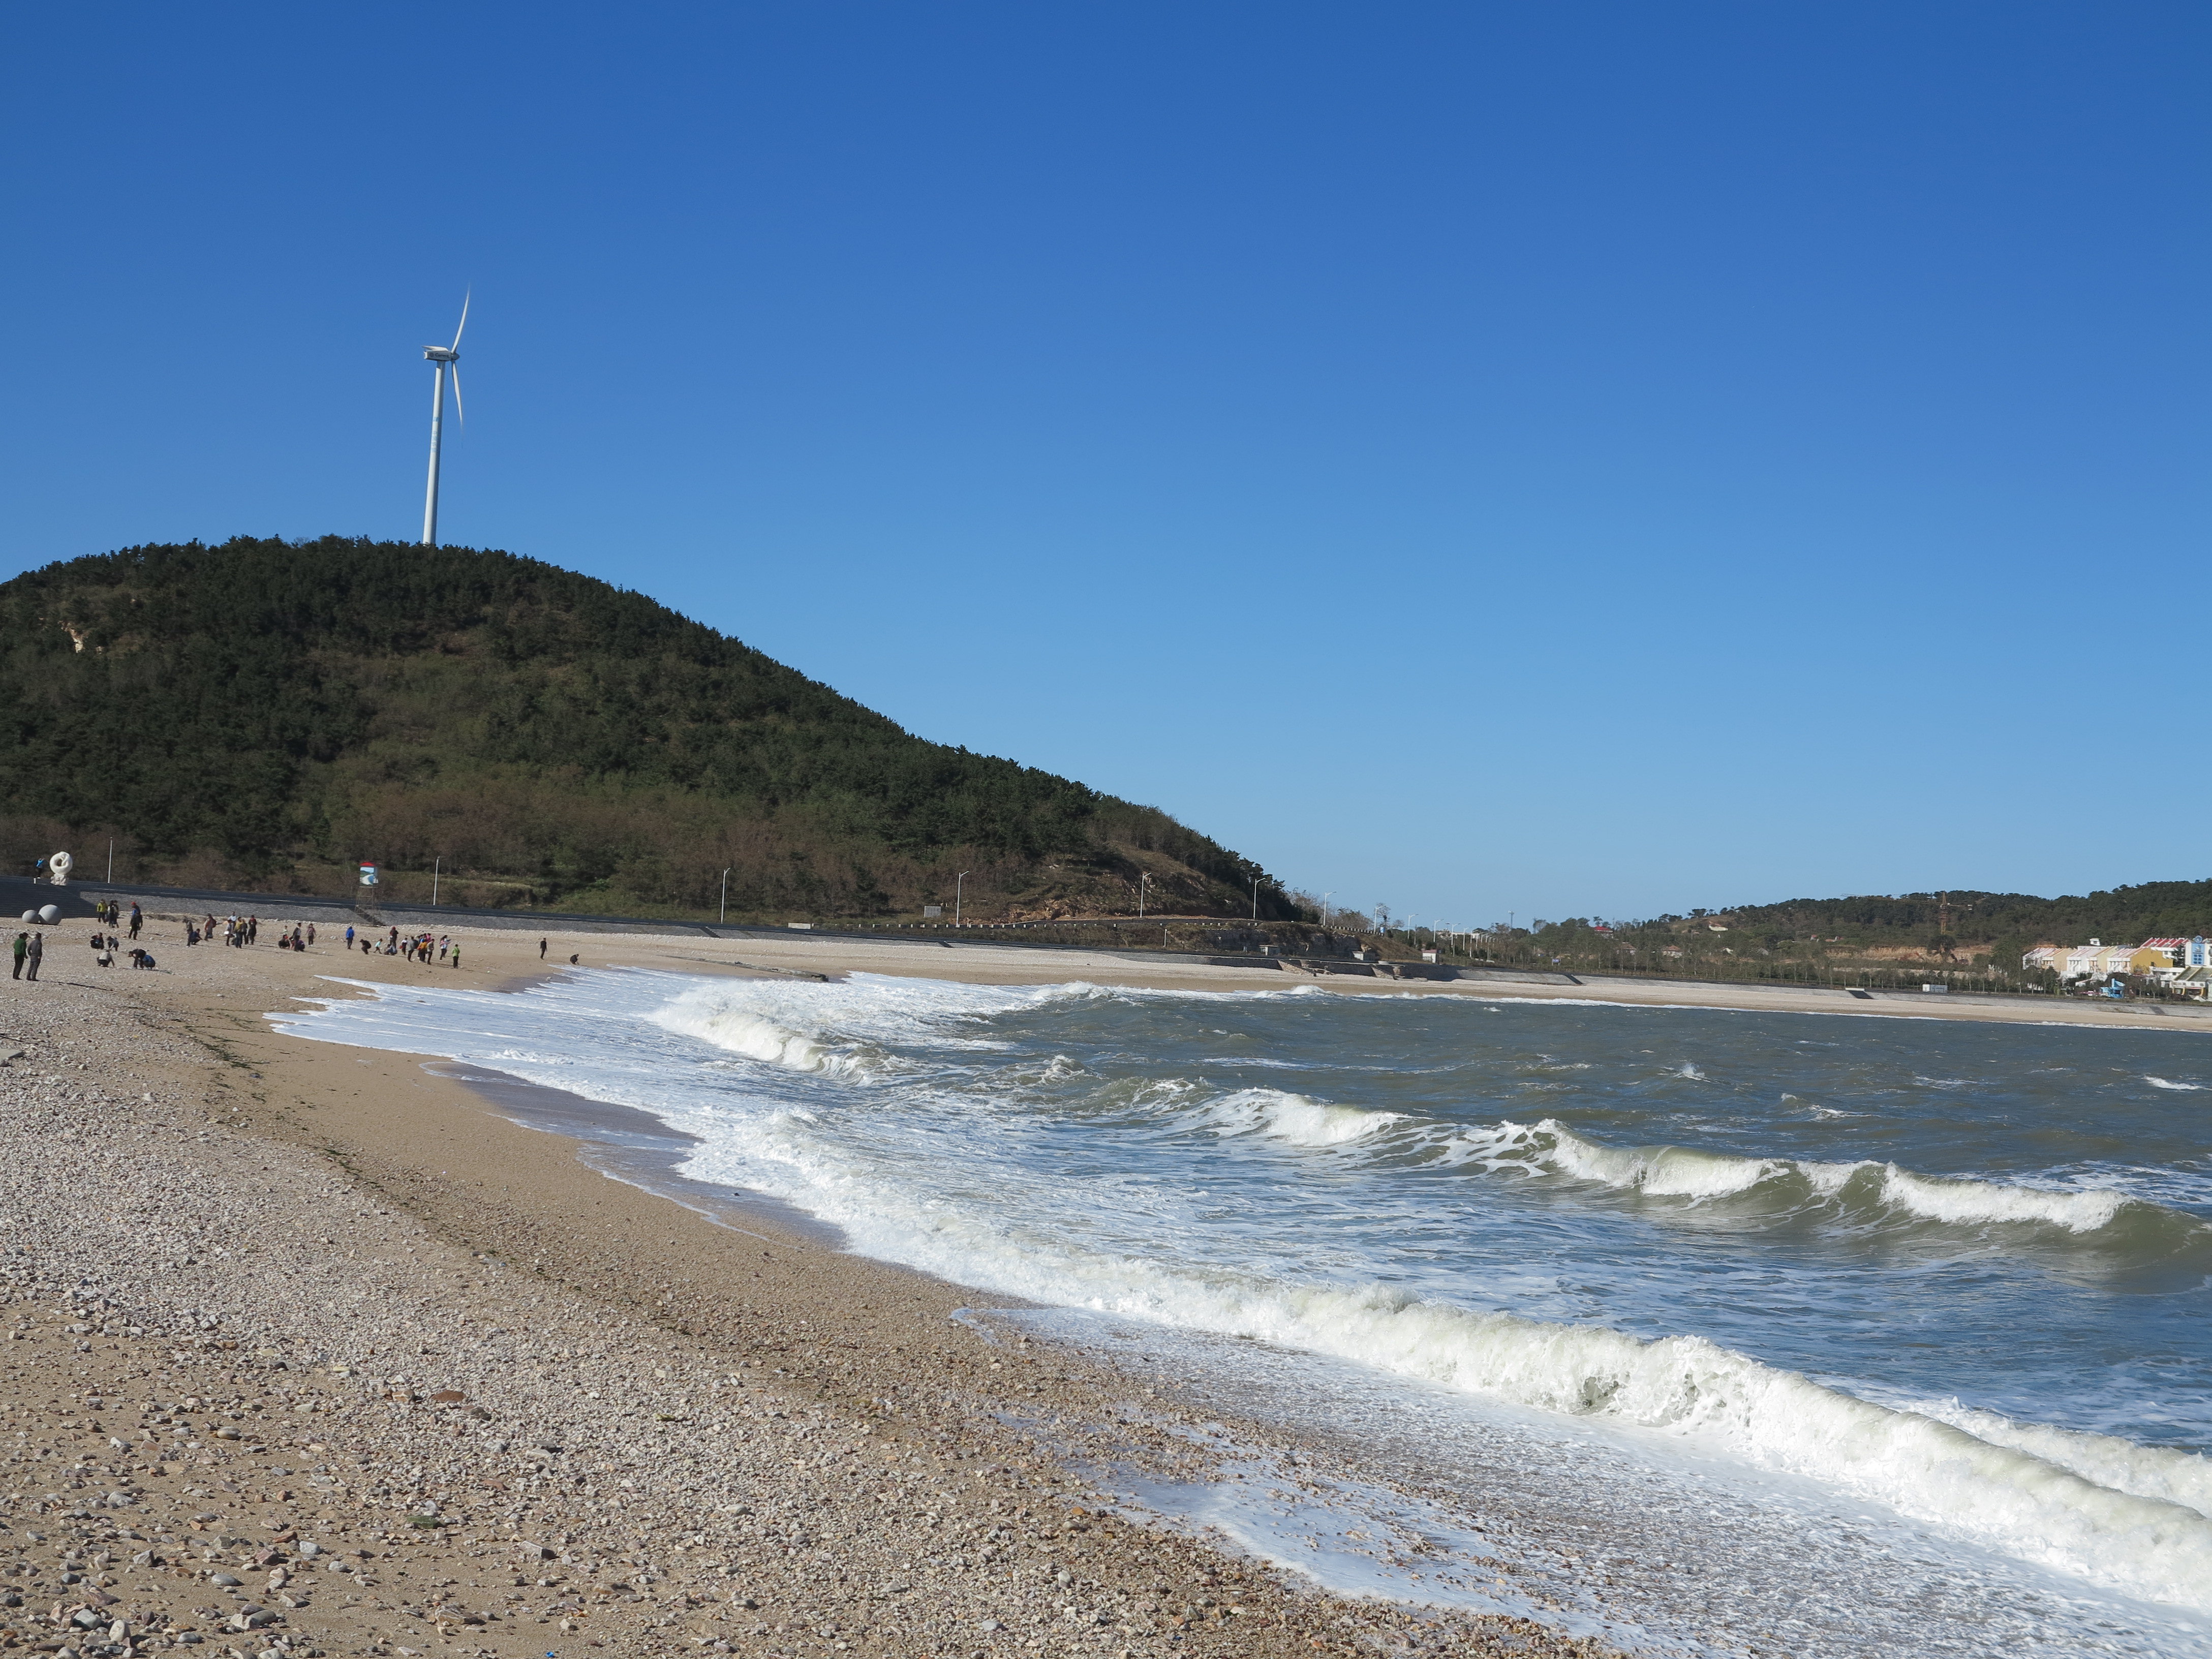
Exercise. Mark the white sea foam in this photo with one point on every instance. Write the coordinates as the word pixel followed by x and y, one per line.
pixel 2008 1497
pixel 911 1185
pixel 807 1027
pixel 1669 1171
pixel 1297 1119
pixel 2168 1083
pixel 2157 1472
pixel 760 1038
pixel 1683 1172
pixel 1976 1202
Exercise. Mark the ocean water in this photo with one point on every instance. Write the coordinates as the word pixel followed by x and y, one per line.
pixel 1932 1292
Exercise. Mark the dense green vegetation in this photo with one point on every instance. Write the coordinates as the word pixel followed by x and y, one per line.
pixel 1983 935
pixel 269 711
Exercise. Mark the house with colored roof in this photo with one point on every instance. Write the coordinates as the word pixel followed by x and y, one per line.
pixel 2097 960
pixel 2183 963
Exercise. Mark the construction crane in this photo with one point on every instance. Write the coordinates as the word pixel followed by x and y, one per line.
pixel 1943 941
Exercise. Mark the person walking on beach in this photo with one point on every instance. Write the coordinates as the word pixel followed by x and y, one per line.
pixel 311 933
pixel 135 919
pixel 349 938
pixel 541 950
pixel 457 956
pixel 22 950
pixel 34 955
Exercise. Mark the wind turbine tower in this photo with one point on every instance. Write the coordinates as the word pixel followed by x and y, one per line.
pixel 441 358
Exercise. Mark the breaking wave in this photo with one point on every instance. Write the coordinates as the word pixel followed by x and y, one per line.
pixel 1299 1120
pixel 1864 1191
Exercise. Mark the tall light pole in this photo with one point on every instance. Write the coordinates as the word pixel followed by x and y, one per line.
pixel 726 899
pixel 1256 898
pixel 1325 898
pixel 956 888
pixel 1144 880
pixel 436 864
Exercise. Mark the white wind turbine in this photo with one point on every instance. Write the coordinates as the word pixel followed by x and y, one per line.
pixel 443 357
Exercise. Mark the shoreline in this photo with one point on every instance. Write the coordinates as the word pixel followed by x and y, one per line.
pixel 634 1428
pixel 976 962
pixel 626 1143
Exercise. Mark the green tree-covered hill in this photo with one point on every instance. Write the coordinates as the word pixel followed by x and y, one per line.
pixel 273 711
pixel 1974 931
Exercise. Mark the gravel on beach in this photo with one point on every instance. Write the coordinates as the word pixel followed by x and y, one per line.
pixel 307 1352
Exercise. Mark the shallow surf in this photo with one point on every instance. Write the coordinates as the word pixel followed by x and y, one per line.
pixel 1954 1272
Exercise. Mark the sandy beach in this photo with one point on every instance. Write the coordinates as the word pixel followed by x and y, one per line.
pixel 313 1349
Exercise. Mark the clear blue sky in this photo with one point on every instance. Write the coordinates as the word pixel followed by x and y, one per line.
pixel 1583 459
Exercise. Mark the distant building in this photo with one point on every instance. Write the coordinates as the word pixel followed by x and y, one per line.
pixel 2137 959
pixel 2186 965
pixel 2156 958
pixel 2081 960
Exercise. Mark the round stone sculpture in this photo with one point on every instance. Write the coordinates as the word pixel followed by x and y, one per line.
pixel 50 914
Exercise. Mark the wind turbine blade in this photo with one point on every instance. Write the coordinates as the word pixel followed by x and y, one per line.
pixel 465 319
pixel 459 419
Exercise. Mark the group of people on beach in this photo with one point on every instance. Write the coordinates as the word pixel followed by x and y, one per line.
pixel 103 952
pixel 30 945
pixel 30 952
pixel 416 947
pixel 108 914
pixel 238 932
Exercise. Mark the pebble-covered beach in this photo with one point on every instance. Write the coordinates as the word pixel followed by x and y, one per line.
pixel 307 1352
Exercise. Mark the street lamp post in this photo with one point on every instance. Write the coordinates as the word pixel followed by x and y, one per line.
pixel 1256 898
pixel 1325 898
pixel 957 888
pixel 726 899
pixel 436 864
pixel 1144 880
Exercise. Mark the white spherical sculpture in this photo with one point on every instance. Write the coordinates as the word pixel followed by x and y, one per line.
pixel 30 915
pixel 59 867
pixel 50 914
